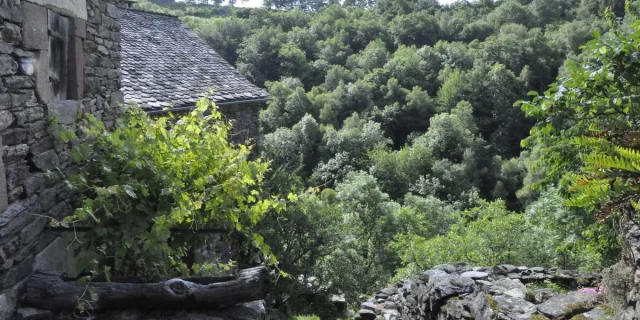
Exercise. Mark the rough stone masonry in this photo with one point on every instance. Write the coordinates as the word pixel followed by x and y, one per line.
pixel 57 57
pixel 458 291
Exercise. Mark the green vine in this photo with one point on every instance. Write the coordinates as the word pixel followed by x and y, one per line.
pixel 148 176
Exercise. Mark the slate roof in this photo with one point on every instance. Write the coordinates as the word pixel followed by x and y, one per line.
pixel 165 64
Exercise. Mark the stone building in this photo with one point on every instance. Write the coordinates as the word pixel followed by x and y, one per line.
pixel 166 65
pixel 57 57
pixel 63 58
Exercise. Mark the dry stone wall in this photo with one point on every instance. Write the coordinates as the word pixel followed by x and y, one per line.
pixel 457 291
pixel 631 258
pixel 89 34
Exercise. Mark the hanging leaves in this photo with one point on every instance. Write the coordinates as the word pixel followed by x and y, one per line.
pixel 148 176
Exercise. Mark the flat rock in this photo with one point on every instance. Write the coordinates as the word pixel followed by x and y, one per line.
pixel 445 286
pixel 368 306
pixel 390 305
pixel 475 275
pixel 389 291
pixel 508 284
pixel 542 295
pixel 6 119
pixel 534 276
pixel 515 308
pixel 446 268
pixel 568 305
pixel 46 161
pixel 516 293
pixel 504 269
pixel 596 314
pixel 66 111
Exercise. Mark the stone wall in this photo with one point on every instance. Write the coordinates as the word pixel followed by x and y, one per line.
pixel 27 98
pixel 245 119
pixel 630 225
pixel 457 291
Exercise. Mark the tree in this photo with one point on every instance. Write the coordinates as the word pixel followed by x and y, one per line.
pixel 289 103
pixel 417 28
pixel 586 128
pixel 415 67
pixel 397 171
pixel 257 53
pixel 510 12
pixel 223 34
pixel 369 224
pixel 483 237
pixel 301 236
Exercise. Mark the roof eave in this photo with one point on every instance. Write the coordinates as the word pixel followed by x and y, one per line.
pixel 191 107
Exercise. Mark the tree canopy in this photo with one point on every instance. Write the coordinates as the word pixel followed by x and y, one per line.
pixel 394 122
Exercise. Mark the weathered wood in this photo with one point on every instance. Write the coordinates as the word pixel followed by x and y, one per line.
pixel 58 53
pixel 51 292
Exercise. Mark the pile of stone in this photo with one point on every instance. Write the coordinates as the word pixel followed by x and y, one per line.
pixel 457 291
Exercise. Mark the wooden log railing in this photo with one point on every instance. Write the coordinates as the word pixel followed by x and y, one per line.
pixel 50 291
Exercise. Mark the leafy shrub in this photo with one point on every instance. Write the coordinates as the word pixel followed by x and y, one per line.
pixel 150 176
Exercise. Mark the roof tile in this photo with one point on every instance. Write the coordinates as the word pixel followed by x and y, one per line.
pixel 163 60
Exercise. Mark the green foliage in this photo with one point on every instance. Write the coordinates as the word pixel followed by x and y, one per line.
pixel 395 119
pixel 368 224
pixel 149 176
pixel 587 124
pixel 483 237
pixel 566 233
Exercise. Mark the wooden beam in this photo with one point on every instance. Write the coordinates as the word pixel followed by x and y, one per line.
pixel 50 291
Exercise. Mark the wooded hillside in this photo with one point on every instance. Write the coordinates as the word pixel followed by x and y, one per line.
pixel 394 123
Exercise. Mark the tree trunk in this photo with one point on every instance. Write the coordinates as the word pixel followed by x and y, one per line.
pixel 49 291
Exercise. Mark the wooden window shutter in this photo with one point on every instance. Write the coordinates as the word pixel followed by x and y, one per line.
pixel 58 58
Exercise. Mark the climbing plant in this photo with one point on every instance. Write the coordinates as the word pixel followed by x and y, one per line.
pixel 150 176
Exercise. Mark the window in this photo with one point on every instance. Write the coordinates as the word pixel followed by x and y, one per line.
pixel 58 54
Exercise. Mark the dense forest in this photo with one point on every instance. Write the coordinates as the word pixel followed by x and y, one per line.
pixel 396 125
